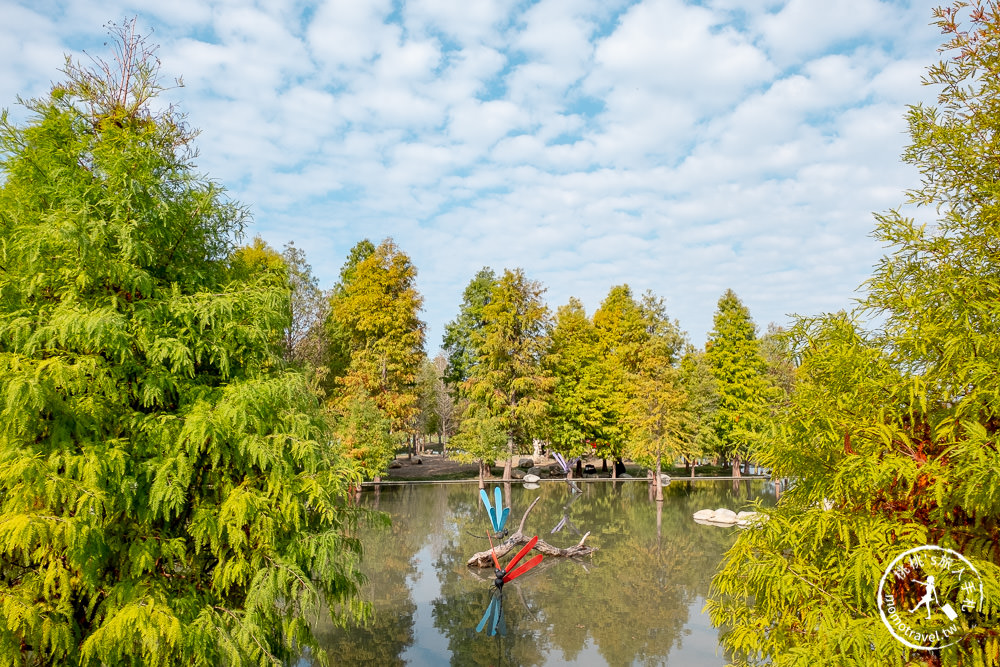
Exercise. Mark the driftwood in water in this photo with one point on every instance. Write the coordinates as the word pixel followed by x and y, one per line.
pixel 484 559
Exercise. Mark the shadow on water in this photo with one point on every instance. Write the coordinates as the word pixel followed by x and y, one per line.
pixel 638 600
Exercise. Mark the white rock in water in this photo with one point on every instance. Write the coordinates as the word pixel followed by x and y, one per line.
pixel 723 515
pixel 531 479
pixel 727 517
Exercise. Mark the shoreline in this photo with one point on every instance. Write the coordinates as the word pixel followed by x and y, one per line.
pixel 576 480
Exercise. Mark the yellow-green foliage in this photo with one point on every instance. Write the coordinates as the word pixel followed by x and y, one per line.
pixel 892 435
pixel 374 315
pixel 506 385
pixel 740 376
pixel 168 495
pixel 657 408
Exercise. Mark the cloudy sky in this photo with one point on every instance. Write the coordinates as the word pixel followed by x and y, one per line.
pixel 682 146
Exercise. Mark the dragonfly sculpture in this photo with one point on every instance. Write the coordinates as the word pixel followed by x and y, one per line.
pixel 494 610
pixel 566 467
pixel 565 522
pixel 498 516
pixel 509 573
pixel 493 617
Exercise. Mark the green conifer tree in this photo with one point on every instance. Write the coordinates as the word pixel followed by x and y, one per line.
pixel 459 334
pixel 657 406
pixel 507 384
pixel 378 310
pixel 622 334
pixel 580 408
pixel 699 385
pixel 168 494
pixel 375 312
pixel 891 434
pixel 741 380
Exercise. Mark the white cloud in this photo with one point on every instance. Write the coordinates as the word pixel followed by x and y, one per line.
pixel 678 146
pixel 805 28
pixel 680 50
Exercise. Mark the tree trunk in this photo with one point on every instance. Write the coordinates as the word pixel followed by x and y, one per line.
pixel 579 467
pixel 604 465
pixel 510 458
pixel 659 480
pixel 659 521
pixel 736 466
pixel 483 468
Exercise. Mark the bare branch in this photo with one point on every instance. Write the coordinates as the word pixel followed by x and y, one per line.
pixel 485 558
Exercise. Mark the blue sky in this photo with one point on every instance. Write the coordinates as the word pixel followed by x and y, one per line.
pixel 680 146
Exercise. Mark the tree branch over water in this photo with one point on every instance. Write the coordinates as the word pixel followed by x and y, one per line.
pixel 484 559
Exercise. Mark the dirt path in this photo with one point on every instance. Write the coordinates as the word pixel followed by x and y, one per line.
pixel 435 466
pixel 431 466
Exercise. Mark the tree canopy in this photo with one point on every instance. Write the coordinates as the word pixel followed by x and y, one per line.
pixel 375 313
pixel 304 341
pixel 580 407
pixel 507 383
pixel 622 336
pixel 657 400
pixel 741 379
pixel 459 342
pixel 168 493
pixel 891 434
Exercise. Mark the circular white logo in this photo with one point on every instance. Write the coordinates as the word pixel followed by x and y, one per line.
pixel 925 593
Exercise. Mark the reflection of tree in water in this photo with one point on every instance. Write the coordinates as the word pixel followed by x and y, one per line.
pixel 388 564
pixel 630 603
pixel 465 594
pixel 648 584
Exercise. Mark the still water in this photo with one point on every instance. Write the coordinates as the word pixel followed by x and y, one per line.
pixel 636 601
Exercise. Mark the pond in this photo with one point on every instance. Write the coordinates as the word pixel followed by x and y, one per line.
pixel 636 601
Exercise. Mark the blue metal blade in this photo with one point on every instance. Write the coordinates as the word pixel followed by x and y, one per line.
pixel 503 519
pixel 498 497
pixel 489 608
pixel 503 621
pixel 494 520
pixel 496 615
pixel 486 498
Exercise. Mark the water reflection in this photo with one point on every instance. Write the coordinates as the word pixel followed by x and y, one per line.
pixel 638 600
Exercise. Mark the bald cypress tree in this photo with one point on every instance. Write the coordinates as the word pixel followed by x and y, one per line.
pixel 740 372
pixel 168 493
pixel 891 433
pixel 507 385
